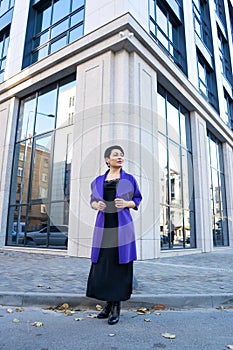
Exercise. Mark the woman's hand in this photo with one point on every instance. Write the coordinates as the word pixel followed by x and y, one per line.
pixel 98 205
pixel 121 203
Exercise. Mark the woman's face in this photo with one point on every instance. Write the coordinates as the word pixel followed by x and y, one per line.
pixel 116 159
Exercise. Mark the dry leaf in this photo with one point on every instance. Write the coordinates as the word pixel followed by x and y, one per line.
pixel 15 320
pixel 64 306
pixel 147 319
pixel 220 307
pixel 230 347
pixel 92 316
pixel 19 309
pixel 37 324
pixel 142 311
pixel 158 307
pixel 98 307
pixel 10 311
pixel 168 335
pixel 79 319
pixel 111 335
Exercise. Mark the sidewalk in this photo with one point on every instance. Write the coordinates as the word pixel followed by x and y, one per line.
pixel 197 280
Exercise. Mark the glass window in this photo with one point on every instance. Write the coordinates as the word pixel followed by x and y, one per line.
pixel 5 5
pixel 40 185
pixel 168 30
pixel 4 43
pixel 46 110
pixel 58 44
pixel 57 23
pixel 76 4
pixel 22 159
pixel 61 9
pixel 42 151
pixel 217 190
pixel 177 228
pixel 27 118
pixel 59 28
pixel 62 164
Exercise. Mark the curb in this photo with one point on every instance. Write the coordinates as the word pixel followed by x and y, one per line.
pixel 181 301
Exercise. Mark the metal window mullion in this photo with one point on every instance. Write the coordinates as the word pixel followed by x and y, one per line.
pixel 50 177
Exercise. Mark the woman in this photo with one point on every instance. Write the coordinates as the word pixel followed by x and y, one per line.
pixel 113 248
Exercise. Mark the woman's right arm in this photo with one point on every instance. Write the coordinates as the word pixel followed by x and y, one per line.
pixel 98 205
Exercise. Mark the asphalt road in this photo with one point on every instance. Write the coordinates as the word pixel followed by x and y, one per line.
pixel 209 329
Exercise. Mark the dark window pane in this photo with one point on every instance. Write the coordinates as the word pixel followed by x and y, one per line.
pixel 43 38
pixel 16 225
pixel 43 20
pixel 36 229
pixel 62 164
pixel 21 170
pixel 41 53
pixel 41 168
pixel 59 216
pixel 163 173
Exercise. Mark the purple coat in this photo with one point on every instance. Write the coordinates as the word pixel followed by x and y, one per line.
pixel 128 190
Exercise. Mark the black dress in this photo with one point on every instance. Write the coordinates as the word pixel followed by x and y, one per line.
pixel 108 280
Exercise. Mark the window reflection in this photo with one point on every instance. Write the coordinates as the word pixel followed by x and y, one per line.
pixel 27 118
pixel 58 23
pixel 41 168
pixel 46 109
pixel 177 229
pixel 42 154
pixel 21 170
pixel 62 164
pixel 217 190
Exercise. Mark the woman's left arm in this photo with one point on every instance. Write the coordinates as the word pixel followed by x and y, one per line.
pixel 134 202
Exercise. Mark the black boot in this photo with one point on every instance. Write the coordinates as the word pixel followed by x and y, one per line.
pixel 106 310
pixel 115 313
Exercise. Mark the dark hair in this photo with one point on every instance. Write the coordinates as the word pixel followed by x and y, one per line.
pixel 109 150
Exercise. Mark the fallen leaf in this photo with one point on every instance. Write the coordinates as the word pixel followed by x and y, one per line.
pixel 168 335
pixel 98 307
pixel 111 335
pixel 19 309
pixel 92 316
pixel 79 319
pixel 147 319
pixel 37 324
pixel 65 306
pixel 158 313
pixel 15 320
pixel 158 307
pixel 230 347
pixel 142 311
pixel 10 311
pixel 220 307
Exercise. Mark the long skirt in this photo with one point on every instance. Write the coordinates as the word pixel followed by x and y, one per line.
pixel 108 280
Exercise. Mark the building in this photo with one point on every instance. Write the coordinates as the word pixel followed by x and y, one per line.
pixel 153 76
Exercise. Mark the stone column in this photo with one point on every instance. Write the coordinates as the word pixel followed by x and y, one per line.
pixel 204 237
pixel 228 171
pixel 116 99
pixel 8 120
